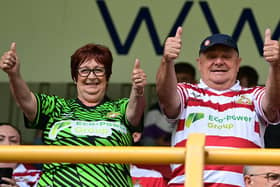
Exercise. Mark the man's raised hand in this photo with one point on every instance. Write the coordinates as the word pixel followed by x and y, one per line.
pixel 271 49
pixel 172 47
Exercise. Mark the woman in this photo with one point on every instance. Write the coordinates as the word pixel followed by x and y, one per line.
pixel 90 119
pixel 24 175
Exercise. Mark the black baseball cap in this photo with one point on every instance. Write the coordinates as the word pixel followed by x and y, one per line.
pixel 218 39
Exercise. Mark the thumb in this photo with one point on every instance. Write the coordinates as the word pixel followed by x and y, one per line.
pixel 179 32
pixel 267 36
pixel 136 64
pixel 13 47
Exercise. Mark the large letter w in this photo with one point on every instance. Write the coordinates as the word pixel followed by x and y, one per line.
pixel 143 15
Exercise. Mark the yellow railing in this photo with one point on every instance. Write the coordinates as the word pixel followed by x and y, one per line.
pixel 195 155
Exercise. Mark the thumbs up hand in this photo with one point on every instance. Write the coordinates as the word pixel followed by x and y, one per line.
pixel 9 61
pixel 138 79
pixel 172 47
pixel 271 49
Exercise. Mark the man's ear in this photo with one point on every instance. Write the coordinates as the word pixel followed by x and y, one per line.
pixel 248 181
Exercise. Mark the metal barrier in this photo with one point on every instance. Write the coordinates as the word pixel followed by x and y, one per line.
pixel 195 155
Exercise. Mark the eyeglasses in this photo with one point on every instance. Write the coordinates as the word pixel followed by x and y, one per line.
pixel 271 177
pixel 98 72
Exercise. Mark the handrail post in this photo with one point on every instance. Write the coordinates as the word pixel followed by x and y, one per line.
pixel 194 160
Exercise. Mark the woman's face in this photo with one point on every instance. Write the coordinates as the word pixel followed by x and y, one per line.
pixel 91 82
pixel 9 136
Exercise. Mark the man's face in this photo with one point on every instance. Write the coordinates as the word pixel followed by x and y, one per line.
pixel 263 176
pixel 218 67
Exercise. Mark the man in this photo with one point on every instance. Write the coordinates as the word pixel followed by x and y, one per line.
pixel 262 176
pixel 228 115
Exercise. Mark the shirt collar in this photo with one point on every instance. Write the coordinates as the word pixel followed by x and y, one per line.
pixel 235 87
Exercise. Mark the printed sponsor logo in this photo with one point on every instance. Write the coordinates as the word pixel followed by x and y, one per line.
pixel 224 123
pixel 220 126
pixel 244 100
pixel 228 118
pixel 196 95
pixel 215 122
pixel 192 117
pixel 113 114
pixel 57 127
pixel 87 128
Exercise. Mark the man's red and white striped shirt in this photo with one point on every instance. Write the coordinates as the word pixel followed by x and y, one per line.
pixel 231 118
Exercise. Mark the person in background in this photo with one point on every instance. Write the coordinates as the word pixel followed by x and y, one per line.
pixel 185 72
pixel 143 177
pixel 88 120
pixel 262 176
pixel 272 136
pixel 24 175
pixel 229 116
pixel 248 76
pixel 157 130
